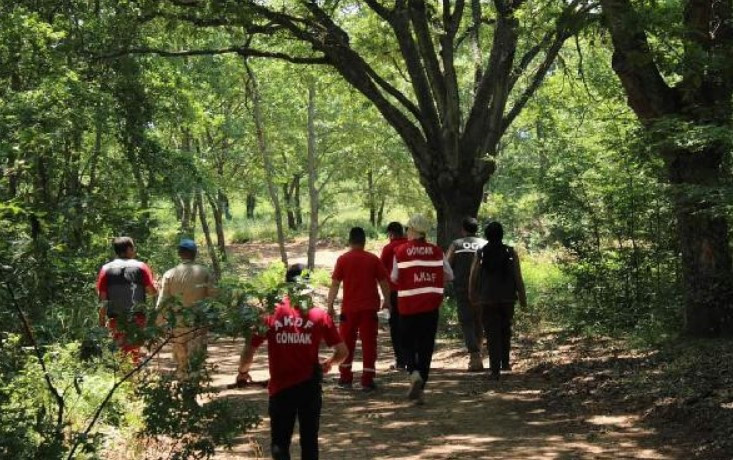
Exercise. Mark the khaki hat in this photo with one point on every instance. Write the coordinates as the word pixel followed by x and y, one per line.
pixel 419 223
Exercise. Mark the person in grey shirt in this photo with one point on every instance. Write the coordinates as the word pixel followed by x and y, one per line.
pixel 460 256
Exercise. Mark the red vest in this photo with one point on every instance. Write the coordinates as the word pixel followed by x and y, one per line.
pixel 420 281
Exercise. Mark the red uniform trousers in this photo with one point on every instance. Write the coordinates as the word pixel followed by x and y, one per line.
pixel 363 323
pixel 119 336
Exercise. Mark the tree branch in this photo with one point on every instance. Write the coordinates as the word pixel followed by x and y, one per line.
pixel 419 20
pixel 568 24
pixel 118 384
pixel 242 51
pixel 380 9
pixel 649 95
pixel 391 90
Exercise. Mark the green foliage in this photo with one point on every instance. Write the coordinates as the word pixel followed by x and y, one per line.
pixel 581 182
pixel 28 412
pixel 172 412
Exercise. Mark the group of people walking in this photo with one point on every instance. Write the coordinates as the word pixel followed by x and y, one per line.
pixel 412 275
pixel 125 282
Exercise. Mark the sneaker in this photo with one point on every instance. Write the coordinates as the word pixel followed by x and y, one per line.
pixel 416 384
pixel 474 363
pixel 369 388
pixel 506 367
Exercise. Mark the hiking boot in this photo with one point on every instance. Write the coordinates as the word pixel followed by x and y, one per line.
pixel 416 384
pixel 420 400
pixel 475 364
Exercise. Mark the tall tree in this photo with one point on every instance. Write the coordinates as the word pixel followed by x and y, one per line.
pixel 450 117
pixel 688 121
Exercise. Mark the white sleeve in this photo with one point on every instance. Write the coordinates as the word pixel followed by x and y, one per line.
pixel 447 271
pixel 395 275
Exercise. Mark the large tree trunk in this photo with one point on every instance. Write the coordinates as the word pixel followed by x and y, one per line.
pixel 703 240
pixel 267 161
pixel 454 201
pixel 312 176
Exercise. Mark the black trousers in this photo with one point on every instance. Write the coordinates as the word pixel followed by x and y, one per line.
pixel 497 319
pixel 303 401
pixel 394 331
pixel 418 341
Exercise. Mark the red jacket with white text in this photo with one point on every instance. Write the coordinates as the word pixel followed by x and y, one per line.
pixel 420 277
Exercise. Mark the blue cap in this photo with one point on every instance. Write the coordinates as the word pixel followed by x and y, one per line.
pixel 187 244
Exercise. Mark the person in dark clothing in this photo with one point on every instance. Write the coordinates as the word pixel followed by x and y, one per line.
pixel 296 372
pixel 460 256
pixel 495 285
pixel 397 238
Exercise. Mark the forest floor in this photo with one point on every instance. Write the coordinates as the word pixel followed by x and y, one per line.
pixel 567 398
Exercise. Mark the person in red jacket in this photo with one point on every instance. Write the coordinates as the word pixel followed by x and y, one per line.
pixel 420 271
pixel 123 286
pixel 293 339
pixel 361 272
pixel 397 238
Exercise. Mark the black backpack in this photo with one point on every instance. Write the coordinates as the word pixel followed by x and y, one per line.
pixel 497 260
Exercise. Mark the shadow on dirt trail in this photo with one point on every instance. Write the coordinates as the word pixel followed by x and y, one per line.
pixel 465 417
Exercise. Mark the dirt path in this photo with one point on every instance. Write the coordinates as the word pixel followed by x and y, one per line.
pixel 465 417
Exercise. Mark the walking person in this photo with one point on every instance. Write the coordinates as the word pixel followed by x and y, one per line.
pixel 396 235
pixel 296 372
pixel 420 271
pixel 122 287
pixel 181 289
pixel 495 285
pixel 361 272
pixel 460 256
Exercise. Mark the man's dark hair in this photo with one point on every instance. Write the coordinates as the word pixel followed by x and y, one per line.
pixel 470 225
pixel 396 229
pixel 121 244
pixel 187 253
pixel 294 273
pixel 357 236
pixel 494 232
